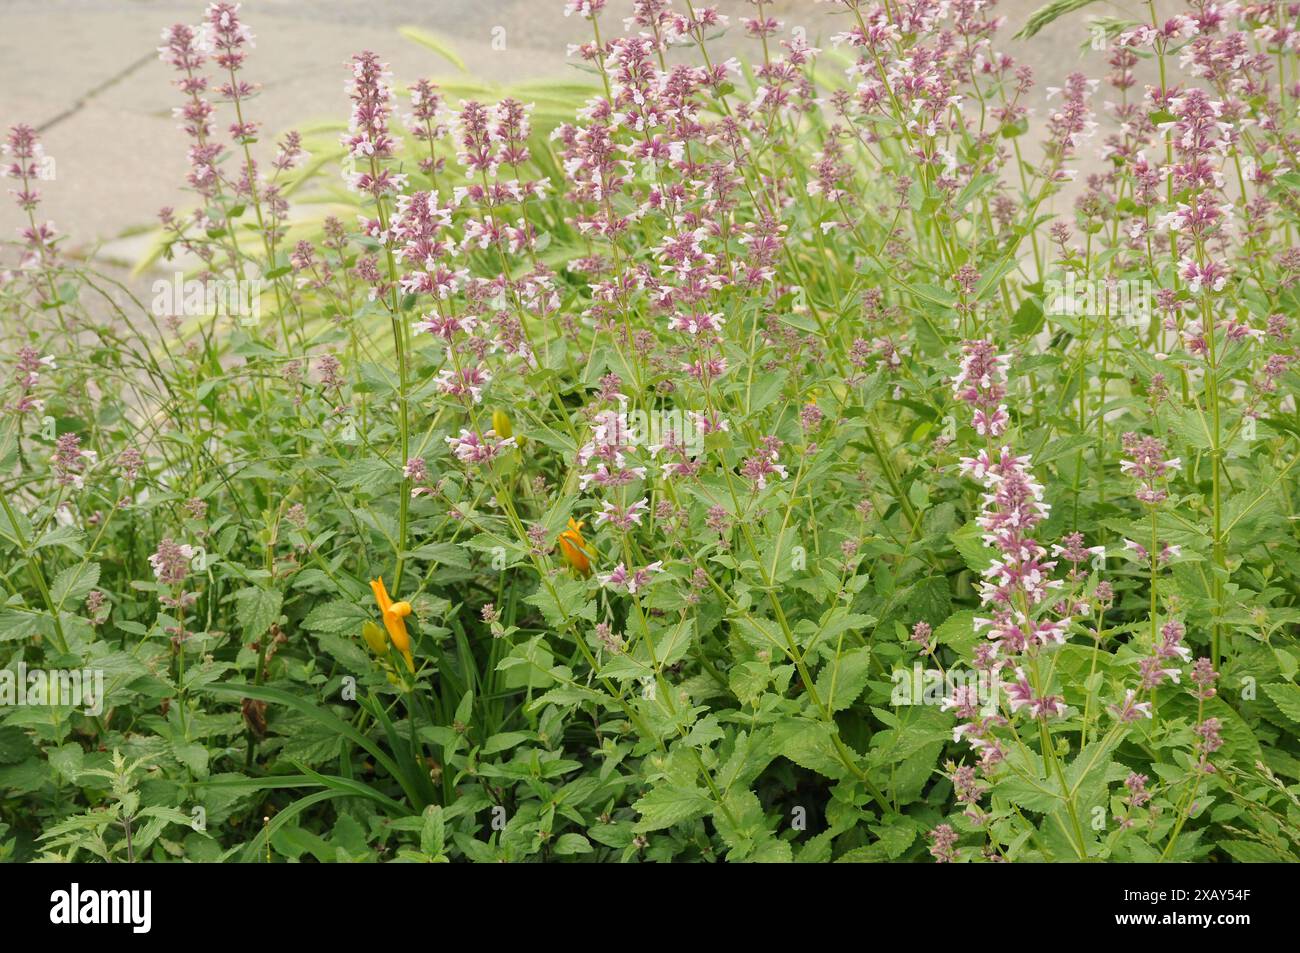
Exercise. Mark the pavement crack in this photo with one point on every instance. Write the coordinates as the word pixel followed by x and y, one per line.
pixel 80 102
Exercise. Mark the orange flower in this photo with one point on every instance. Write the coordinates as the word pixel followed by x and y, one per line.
pixel 574 548
pixel 394 614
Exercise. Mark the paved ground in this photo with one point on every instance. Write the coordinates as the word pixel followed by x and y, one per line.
pixel 86 73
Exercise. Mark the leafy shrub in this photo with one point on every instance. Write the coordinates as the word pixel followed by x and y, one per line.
pixel 719 461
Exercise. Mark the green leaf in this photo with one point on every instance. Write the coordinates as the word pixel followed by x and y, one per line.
pixel 306 742
pixel 67 761
pixel 569 844
pixel 193 756
pixel 528 665
pixel 742 825
pixel 433 833
pixel 767 389
pixel 1042 797
pixel 16 624
pixel 257 609
pixel 336 617
pixel 1028 319
pixel 705 732
pixel 1190 426
pixel 1249 852
pixel 321 716
pixel 504 741
pixel 810 745
pixel 14 745
pixel 671 643
pixel 433 42
pixel 449 554
pixel 841 680
pixel 1287 699
pixel 254 851
pixel 73 584
pixel 1048 14
pixel 670 804
pixel 568 602
pixel 958 632
pixel 970 544
pixel 748 680
pixel 895 837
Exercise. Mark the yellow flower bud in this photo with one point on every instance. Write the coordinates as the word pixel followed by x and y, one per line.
pixel 501 424
pixel 375 638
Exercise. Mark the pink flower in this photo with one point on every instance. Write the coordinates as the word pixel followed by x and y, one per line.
pixel 1153 675
pixel 464 382
pixel 942 841
pixel 1137 788
pixel 70 462
pixel 588 9
pixel 1209 276
pixel 620 517
pixel 763 464
pixel 964 701
pixel 1020 694
pixel 621 578
pixel 1131 709
pixel 469 447
pixel 1204 676
pixel 1209 732
pixel 171 561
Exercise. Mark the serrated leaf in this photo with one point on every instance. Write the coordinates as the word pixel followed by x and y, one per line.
pixel 742 825
pixel 16 624
pixel 1042 797
pixel 449 554
pixel 841 680
pixel 970 545
pixel 1287 698
pixel 73 584
pixel 14 745
pixel 670 804
pixel 958 632
pixel 256 610
pixel 810 745
pixel 568 602
pixel 336 617
pixel 748 680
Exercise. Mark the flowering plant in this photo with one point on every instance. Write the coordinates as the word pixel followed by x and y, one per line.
pixel 712 468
